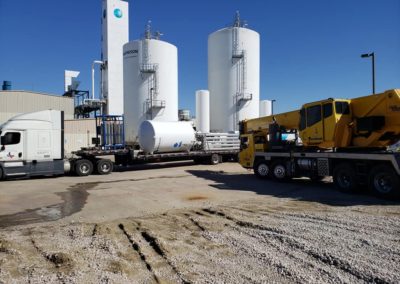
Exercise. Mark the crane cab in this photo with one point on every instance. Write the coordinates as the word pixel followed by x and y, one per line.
pixel 326 124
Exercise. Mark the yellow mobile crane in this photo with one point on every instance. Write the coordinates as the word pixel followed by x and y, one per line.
pixel 344 138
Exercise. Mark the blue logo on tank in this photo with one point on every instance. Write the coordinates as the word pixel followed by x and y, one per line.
pixel 178 145
pixel 118 13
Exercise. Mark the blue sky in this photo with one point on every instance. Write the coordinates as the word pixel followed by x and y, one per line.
pixel 310 49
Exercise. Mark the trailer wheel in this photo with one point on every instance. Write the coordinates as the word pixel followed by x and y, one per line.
pixel 214 159
pixel 1 173
pixel 261 169
pixel 344 177
pixel 384 182
pixel 83 167
pixel 279 172
pixel 104 166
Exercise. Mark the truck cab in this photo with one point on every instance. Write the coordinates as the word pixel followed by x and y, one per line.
pixel 32 144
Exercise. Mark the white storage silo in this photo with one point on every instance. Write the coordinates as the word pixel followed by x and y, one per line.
pixel 265 108
pixel 233 76
pixel 150 84
pixel 203 111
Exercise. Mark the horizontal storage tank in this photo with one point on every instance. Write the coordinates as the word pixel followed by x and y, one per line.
pixel 265 108
pixel 150 84
pixel 233 76
pixel 161 136
pixel 203 111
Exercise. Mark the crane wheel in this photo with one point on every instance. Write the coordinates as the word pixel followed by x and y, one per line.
pixel 279 172
pixel 104 166
pixel 261 169
pixel 384 182
pixel 83 167
pixel 344 178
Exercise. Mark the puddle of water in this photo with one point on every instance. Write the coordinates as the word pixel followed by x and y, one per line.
pixel 73 201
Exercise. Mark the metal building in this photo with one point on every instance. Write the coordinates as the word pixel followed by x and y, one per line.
pixel 79 133
pixel 150 83
pixel 13 103
pixel 233 76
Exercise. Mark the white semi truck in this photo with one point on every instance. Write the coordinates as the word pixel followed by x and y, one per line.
pixel 32 144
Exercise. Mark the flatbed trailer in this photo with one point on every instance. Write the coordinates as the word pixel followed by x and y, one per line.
pixel 91 160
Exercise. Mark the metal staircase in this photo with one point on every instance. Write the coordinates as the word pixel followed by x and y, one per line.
pixel 151 70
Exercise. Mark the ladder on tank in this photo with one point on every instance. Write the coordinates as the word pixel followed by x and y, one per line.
pixel 241 56
pixel 153 87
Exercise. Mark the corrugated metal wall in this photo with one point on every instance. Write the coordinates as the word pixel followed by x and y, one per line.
pixel 78 133
pixel 13 103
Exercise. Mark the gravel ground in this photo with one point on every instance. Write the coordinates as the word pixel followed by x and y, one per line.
pixel 261 239
pixel 246 242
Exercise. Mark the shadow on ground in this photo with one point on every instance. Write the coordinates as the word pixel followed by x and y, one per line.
pixel 300 189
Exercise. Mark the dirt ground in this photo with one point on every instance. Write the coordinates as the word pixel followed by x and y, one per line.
pixel 186 223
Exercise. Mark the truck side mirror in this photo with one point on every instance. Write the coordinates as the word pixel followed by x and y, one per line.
pixel 3 148
pixel 3 140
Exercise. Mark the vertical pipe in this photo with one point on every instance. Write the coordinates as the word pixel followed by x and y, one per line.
pixel 373 73
pixel 94 62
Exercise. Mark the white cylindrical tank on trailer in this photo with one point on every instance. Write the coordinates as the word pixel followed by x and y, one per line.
pixel 150 84
pixel 233 76
pixel 265 108
pixel 203 111
pixel 162 136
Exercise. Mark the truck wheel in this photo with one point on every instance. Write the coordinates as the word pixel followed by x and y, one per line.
pixel 279 172
pixel 384 182
pixel 214 159
pixel 1 173
pixel 104 167
pixel 83 167
pixel 344 178
pixel 261 169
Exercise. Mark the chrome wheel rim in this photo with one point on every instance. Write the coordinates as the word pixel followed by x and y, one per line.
pixel 280 171
pixel 383 183
pixel 263 170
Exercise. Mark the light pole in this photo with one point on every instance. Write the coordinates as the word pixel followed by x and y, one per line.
pixel 366 55
pixel 272 106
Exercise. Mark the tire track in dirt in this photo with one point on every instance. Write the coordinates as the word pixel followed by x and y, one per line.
pixel 324 257
pixel 137 249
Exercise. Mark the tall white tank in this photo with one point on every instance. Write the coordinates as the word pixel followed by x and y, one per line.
pixel 265 108
pixel 150 84
pixel 203 111
pixel 233 76
pixel 162 136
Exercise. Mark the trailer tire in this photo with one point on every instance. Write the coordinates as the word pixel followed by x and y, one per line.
pixel 83 167
pixel 262 170
pixel 344 178
pixel 214 159
pixel 279 172
pixel 104 166
pixel 1 174
pixel 384 182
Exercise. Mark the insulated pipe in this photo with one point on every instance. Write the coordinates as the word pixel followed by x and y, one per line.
pixel 94 62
